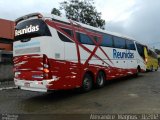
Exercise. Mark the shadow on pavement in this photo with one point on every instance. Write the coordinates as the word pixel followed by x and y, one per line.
pixel 65 94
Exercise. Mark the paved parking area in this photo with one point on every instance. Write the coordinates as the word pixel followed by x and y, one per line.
pixel 130 95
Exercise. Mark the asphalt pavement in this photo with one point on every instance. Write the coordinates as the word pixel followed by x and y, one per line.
pixel 122 96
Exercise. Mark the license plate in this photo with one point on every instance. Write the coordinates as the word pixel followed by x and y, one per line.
pixel 27 84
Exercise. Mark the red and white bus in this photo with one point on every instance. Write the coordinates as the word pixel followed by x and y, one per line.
pixel 54 53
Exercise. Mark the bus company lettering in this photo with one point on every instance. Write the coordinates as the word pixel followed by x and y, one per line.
pixel 29 29
pixel 118 55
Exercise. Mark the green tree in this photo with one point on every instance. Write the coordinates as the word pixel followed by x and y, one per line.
pixel 55 11
pixel 83 11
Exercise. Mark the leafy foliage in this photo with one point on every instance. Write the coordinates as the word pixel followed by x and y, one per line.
pixel 82 11
pixel 55 11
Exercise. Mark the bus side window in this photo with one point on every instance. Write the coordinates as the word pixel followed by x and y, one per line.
pixel 95 38
pixel 69 32
pixel 149 53
pixel 119 42
pixel 84 39
pixel 154 55
pixel 107 41
pixel 63 38
pixel 130 45
pixel 140 49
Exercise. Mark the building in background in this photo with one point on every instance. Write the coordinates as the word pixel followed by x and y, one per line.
pixel 6 47
pixel 6 40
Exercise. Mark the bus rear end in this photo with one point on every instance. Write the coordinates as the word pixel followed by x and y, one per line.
pixel 31 50
pixel 151 59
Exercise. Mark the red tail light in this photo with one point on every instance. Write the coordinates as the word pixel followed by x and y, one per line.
pixel 46 67
pixel 46 70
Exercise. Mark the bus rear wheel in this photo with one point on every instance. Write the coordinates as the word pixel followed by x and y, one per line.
pixel 151 68
pixel 87 83
pixel 138 70
pixel 156 69
pixel 100 80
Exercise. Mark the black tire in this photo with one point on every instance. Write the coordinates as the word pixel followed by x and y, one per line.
pixel 138 71
pixel 87 83
pixel 100 80
pixel 156 69
pixel 151 69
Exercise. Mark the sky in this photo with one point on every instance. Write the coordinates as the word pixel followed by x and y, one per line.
pixel 138 19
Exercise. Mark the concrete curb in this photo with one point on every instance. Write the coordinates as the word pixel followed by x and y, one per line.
pixel 7 85
pixel 8 88
pixel 6 82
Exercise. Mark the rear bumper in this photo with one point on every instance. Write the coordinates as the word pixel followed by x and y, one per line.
pixel 39 86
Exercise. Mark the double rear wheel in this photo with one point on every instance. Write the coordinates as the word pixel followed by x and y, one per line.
pixel 100 80
pixel 88 81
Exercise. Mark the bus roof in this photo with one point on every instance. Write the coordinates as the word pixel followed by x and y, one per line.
pixel 65 20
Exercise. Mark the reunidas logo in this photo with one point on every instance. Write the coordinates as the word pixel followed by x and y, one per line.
pixel 122 55
pixel 28 29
